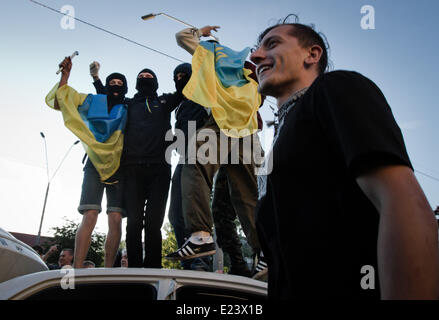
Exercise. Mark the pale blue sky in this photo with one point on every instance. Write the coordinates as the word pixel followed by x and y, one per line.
pixel 400 56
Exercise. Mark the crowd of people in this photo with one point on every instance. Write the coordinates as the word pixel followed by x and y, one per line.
pixel 341 193
pixel 65 258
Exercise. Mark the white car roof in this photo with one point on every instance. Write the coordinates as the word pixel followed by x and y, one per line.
pixel 166 281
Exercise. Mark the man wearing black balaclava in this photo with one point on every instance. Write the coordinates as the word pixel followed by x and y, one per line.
pixel 147 170
pixel 104 117
pixel 185 112
pixel 197 177
pixel 116 87
pixel 116 91
pixel 222 209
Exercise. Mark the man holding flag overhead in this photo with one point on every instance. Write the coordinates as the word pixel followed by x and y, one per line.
pixel 98 121
pixel 221 81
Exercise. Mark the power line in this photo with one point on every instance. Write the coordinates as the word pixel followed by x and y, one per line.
pixel 273 102
pixel 107 31
pixel 417 164
pixel 117 35
pixel 427 175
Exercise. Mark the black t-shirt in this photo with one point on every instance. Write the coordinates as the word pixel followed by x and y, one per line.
pixel 316 227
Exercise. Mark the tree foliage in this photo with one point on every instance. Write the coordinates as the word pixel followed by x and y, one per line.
pixel 247 250
pixel 64 237
pixel 169 245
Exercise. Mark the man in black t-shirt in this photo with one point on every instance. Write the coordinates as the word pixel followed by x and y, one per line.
pixel 341 214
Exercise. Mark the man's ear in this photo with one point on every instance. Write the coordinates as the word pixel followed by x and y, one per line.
pixel 314 54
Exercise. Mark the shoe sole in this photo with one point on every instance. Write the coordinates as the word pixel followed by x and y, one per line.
pixel 202 254
pixel 260 274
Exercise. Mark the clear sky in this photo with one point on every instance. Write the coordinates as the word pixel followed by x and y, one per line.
pixel 399 55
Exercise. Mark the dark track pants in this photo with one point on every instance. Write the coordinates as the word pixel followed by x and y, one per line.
pixel 145 183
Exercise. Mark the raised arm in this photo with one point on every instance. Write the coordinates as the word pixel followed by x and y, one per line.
pixel 189 38
pixel 66 64
pixel 408 256
pixel 52 250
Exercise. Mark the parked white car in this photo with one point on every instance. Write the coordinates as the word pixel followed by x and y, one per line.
pixel 132 283
pixel 17 258
pixel 22 278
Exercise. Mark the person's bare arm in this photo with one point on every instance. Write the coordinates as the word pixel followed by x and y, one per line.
pixel 52 250
pixel 189 38
pixel 408 256
pixel 65 74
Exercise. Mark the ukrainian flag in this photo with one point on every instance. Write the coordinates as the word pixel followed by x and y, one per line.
pixel 219 81
pixel 100 132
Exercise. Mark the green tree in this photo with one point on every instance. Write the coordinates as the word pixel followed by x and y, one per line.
pixel 169 245
pixel 247 250
pixel 64 237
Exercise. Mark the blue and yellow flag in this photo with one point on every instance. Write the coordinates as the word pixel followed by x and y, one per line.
pixel 219 81
pixel 100 132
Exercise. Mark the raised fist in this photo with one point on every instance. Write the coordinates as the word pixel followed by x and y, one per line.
pixel 94 69
pixel 66 65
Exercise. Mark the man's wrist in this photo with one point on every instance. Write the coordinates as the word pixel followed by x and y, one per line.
pixel 64 80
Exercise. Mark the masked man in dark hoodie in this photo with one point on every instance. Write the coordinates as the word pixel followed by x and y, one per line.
pixel 102 116
pixel 147 169
pixel 197 179
pixel 222 209
pixel 187 112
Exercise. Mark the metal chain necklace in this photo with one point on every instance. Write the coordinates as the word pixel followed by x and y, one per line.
pixel 286 107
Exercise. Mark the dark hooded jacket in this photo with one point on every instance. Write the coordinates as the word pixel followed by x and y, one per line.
pixel 148 122
pixel 187 110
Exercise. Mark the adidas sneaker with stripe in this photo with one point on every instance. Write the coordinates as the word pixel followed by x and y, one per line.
pixel 190 250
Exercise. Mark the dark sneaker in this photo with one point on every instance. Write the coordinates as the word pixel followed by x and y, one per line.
pixel 261 268
pixel 199 265
pixel 191 250
pixel 241 270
